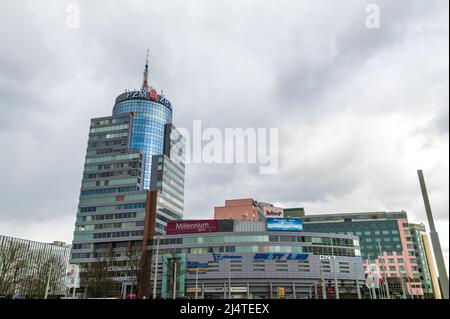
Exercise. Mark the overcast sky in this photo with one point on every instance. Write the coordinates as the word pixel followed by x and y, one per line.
pixel 358 110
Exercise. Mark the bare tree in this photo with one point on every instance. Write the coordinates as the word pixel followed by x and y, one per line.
pixel 97 279
pixel 137 268
pixel 13 263
pixel 51 270
pixel 141 271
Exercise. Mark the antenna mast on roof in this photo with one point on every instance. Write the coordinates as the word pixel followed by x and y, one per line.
pixel 145 81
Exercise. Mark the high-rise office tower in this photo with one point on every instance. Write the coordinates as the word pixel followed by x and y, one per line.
pixel 133 180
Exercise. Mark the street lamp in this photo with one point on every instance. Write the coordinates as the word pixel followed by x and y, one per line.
pixel 48 281
pixel 229 278
pixel 374 294
pixel 334 271
pixel 324 292
pixel 156 266
pixel 196 282
pixel 175 279
pixel 129 255
pixel 358 289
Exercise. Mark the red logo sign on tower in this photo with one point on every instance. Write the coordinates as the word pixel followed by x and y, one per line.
pixel 153 95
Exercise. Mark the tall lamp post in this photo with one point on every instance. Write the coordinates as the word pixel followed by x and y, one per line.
pixel 75 285
pixel 48 280
pixel 155 277
pixel 374 294
pixel 336 284
pixel 196 283
pixel 324 292
pixel 129 255
pixel 174 296
pixel 229 278
pixel 358 288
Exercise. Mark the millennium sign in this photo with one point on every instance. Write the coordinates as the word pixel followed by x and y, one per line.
pixel 191 226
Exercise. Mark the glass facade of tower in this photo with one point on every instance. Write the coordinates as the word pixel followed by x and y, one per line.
pixel 114 197
pixel 168 178
pixel 147 133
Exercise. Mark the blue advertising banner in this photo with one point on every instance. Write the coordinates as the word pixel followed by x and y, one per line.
pixel 278 256
pixel 284 224
pixel 195 265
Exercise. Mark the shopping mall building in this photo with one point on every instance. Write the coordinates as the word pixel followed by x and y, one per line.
pixel 390 244
pixel 266 259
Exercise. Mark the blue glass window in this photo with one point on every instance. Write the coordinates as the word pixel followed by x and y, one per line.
pixel 147 132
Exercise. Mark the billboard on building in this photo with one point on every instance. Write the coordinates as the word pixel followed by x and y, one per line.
pixel 73 276
pixel 238 289
pixel 193 289
pixel 284 224
pixel 214 289
pixel 191 226
pixel 294 212
pixel 194 266
pixel 273 212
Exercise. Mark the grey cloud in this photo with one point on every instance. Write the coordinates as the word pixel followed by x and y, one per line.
pixel 440 121
pixel 295 65
pixel 316 66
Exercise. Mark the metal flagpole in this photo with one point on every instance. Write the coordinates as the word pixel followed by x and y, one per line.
pixel 380 287
pixel 386 285
pixel 374 294
pixel 382 292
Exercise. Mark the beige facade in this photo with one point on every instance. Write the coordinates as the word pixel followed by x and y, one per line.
pixel 430 261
